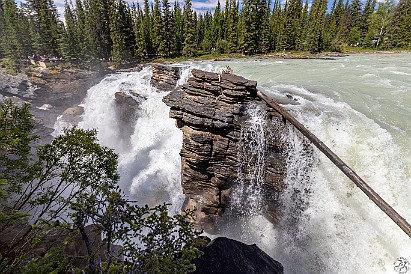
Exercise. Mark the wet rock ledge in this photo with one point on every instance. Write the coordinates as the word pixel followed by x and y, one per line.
pixel 211 111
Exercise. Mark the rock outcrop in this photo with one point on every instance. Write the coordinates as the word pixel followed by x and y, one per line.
pixel 228 256
pixel 211 110
pixel 165 77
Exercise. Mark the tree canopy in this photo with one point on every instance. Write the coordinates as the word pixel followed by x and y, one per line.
pixel 70 184
pixel 115 30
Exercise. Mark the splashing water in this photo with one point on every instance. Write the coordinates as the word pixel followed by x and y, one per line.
pixel 251 156
pixel 358 106
pixel 149 161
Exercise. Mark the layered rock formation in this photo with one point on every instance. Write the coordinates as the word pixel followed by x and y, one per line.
pixel 165 77
pixel 211 110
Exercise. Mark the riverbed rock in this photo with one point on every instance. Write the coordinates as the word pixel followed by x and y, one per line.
pixel 211 111
pixel 229 256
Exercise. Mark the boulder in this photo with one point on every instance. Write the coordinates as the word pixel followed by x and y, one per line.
pixel 228 256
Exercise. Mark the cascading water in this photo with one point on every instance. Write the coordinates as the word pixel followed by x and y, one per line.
pixel 358 105
pixel 149 161
pixel 246 198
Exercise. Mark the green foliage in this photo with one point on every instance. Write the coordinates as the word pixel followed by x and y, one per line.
pixel 53 262
pixel 102 30
pixel 73 183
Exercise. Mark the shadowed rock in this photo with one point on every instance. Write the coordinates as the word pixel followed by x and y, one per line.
pixel 228 256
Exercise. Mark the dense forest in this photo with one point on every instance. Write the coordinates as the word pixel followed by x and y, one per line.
pixel 96 30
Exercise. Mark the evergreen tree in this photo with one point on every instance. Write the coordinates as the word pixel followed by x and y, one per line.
pixel 315 32
pixel 157 34
pixel 365 18
pixel 276 26
pixel 141 49
pixel 167 30
pixel 232 23
pixel 70 44
pixel 189 46
pixel 379 22
pixel 46 27
pixel 178 28
pixel 304 27
pixel 14 43
pixel 355 23
pixel 121 33
pixel 96 28
pixel 207 42
pixel 399 29
pixel 250 28
pixel 200 28
pixel 218 24
pixel 264 29
pixel 147 29
pixel 291 36
pixel 333 39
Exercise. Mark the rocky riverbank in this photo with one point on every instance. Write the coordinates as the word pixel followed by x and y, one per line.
pixel 49 92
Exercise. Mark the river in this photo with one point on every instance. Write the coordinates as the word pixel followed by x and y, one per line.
pixel 359 105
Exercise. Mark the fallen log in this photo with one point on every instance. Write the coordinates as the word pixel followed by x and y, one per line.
pixel 383 205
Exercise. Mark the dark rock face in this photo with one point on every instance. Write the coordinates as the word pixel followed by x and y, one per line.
pixel 211 111
pixel 165 77
pixel 232 257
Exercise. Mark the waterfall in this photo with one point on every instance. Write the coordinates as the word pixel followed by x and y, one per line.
pixel 251 156
pixel 149 161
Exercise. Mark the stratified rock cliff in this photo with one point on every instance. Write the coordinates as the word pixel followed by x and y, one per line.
pixel 165 77
pixel 211 110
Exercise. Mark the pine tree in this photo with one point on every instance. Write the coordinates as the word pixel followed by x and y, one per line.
pixel 264 29
pixel 365 18
pixel 379 22
pixel 70 44
pixel 178 28
pixel 276 25
pixel 250 27
pixel 157 34
pixel 304 27
pixel 333 39
pixel 189 46
pixel 355 23
pixel 218 21
pixel 232 29
pixel 141 48
pixel 207 42
pixel 121 33
pixel 146 30
pixel 315 32
pixel 399 30
pixel 167 30
pixel 97 28
pixel 14 43
pixel 46 26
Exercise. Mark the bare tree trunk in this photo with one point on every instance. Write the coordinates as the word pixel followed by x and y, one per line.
pixel 384 206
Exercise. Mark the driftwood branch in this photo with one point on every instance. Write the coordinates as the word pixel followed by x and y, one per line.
pixel 384 206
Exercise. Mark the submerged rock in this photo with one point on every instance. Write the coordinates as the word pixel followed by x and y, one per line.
pixel 228 256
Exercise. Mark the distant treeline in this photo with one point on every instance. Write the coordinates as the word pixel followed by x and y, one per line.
pixel 96 30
